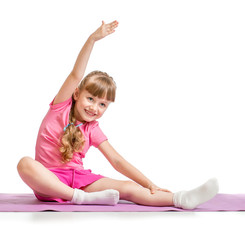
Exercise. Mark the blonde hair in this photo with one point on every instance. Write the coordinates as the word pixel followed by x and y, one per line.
pixel 99 84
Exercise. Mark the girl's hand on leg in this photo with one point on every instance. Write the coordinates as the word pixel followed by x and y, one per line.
pixel 104 30
pixel 153 188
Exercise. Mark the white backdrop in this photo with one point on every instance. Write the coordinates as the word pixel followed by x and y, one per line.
pixel 179 113
pixel 179 67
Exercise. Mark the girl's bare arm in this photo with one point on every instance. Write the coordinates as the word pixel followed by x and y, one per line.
pixel 127 169
pixel 79 68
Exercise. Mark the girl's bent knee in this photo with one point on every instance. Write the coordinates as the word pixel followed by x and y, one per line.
pixel 24 164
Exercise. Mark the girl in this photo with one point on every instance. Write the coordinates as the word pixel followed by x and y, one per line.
pixel 67 132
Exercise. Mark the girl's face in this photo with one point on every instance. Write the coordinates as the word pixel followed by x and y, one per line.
pixel 88 107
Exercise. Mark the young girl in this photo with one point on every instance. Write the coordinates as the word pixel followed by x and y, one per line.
pixel 67 132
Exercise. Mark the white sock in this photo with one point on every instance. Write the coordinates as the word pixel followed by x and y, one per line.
pixel 191 199
pixel 106 197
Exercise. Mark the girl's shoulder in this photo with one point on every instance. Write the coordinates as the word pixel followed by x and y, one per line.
pixel 92 128
pixel 94 133
pixel 91 125
pixel 60 106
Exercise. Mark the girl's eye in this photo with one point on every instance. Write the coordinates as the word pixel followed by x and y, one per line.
pixel 90 99
pixel 102 105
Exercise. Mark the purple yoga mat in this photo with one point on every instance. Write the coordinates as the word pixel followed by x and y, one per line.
pixel 29 203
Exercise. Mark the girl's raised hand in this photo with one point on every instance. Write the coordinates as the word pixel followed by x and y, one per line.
pixel 104 30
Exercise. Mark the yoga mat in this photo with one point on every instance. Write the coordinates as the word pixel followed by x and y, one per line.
pixel 29 203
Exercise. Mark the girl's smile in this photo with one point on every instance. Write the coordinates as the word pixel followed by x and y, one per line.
pixel 90 113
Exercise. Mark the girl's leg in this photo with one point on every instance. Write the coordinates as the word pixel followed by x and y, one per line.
pixel 135 193
pixel 47 184
pixel 131 191
pixel 42 181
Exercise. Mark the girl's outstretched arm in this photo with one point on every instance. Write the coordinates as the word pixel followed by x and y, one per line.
pixel 125 168
pixel 79 68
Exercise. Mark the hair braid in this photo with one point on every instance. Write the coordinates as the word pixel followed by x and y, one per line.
pixel 72 140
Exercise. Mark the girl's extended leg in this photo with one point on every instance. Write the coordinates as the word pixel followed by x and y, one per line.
pixel 131 191
pixel 135 193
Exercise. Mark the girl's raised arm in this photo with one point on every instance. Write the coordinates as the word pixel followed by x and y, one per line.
pixel 79 68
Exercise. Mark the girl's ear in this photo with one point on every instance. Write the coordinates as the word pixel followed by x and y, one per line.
pixel 76 94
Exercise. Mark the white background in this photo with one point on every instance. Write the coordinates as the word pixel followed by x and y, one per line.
pixel 179 113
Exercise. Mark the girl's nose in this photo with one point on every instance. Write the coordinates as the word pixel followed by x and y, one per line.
pixel 93 107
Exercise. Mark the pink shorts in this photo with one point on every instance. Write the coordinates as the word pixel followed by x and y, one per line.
pixel 72 178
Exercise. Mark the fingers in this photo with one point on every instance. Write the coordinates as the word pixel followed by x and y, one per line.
pixel 153 190
pixel 165 190
pixel 113 24
pixel 110 27
pixel 104 30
